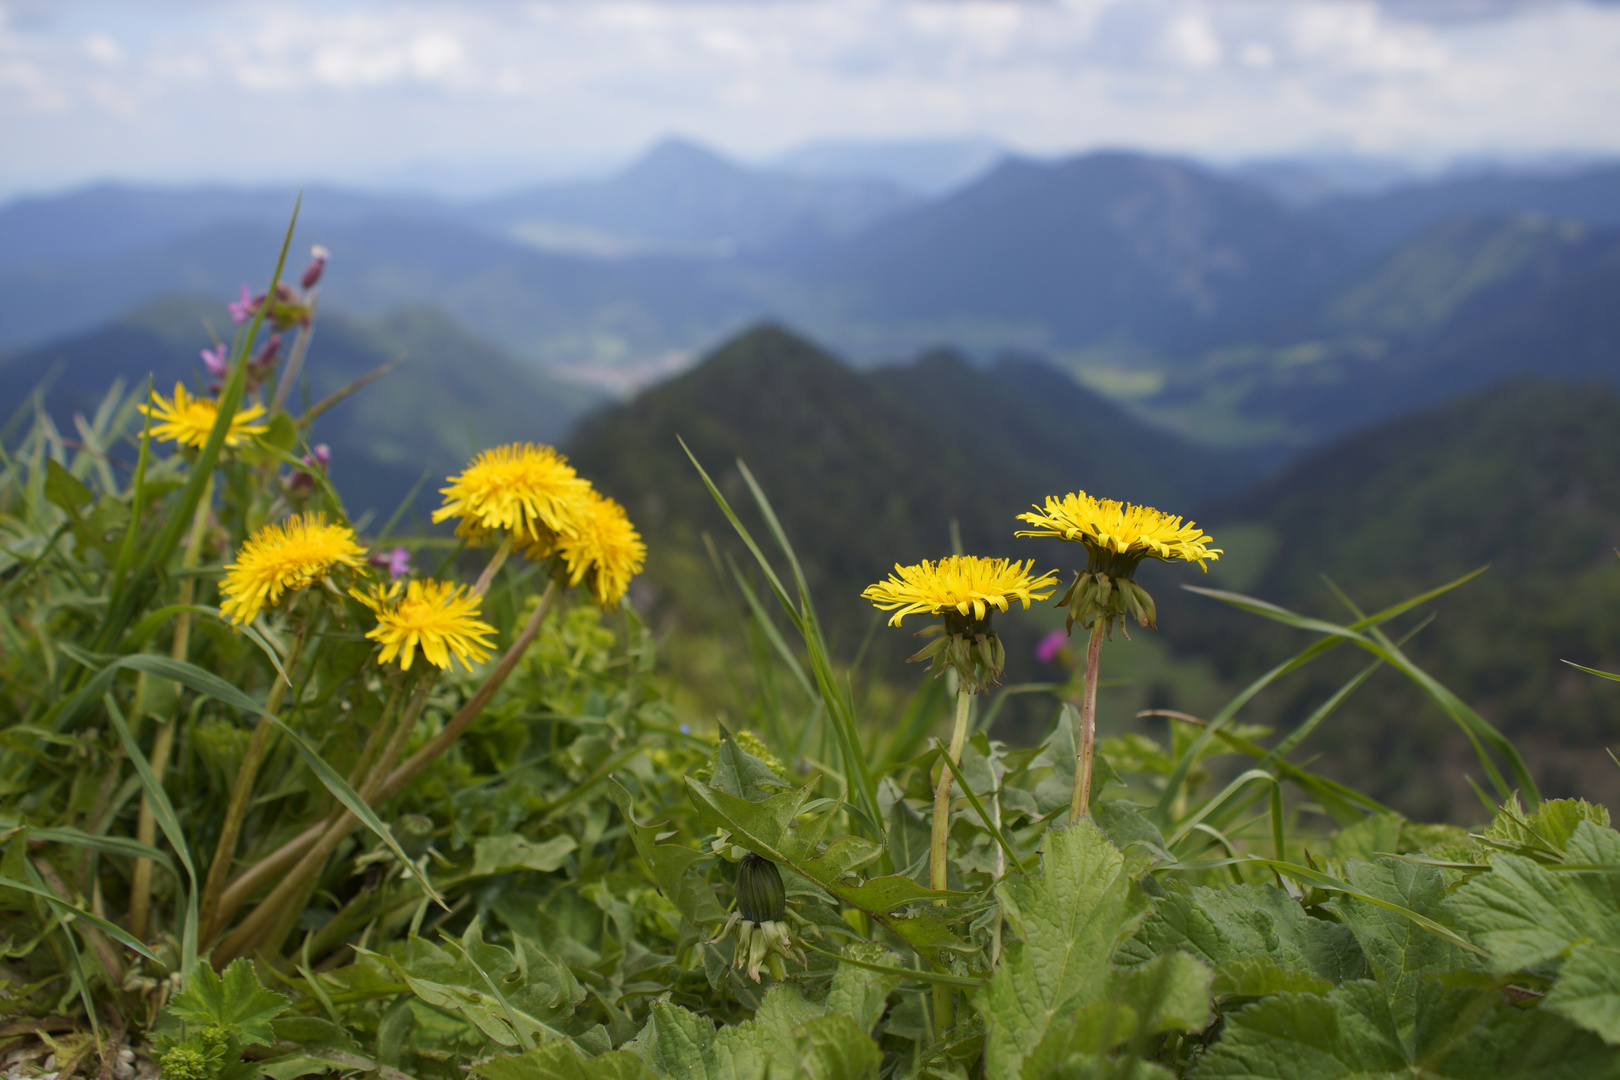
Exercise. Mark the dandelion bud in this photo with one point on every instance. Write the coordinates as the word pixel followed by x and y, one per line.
pixel 760 895
pixel 316 267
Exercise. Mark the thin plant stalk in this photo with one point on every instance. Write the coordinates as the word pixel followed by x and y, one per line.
pixel 220 867
pixel 938 844
pixel 1081 806
pixel 140 890
pixel 283 858
pixel 277 913
pixel 495 563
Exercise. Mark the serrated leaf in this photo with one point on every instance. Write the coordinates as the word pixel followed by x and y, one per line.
pixel 505 854
pixel 1244 921
pixel 836 1048
pixel 1587 992
pixel 234 1001
pixel 860 993
pixel 559 1060
pixel 1524 913
pixel 1168 993
pixel 1457 1034
pixel 670 865
pixel 1257 976
pixel 739 773
pixel 1068 923
pixel 1402 953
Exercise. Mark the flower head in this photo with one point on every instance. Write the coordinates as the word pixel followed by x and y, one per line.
pixel 440 617
pixel 963 590
pixel 600 545
pixel 528 489
pixel 188 420
pixel 1051 646
pixel 1119 532
pixel 1117 536
pixel 317 266
pixel 282 558
pixel 969 585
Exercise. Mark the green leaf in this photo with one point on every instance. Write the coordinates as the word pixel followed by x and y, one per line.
pixel 1525 913
pixel 234 1001
pixel 1241 922
pixel 505 854
pixel 670 866
pixel 1168 993
pixel 1402 953
pixel 861 993
pixel 65 490
pixel 1458 1034
pixel 560 1060
pixel 836 1048
pixel 768 829
pixel 1257 976
pixel 1587 992
pixel 1068 923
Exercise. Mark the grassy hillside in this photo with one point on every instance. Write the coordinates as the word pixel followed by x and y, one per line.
pixel 450 395
pixel 1526 478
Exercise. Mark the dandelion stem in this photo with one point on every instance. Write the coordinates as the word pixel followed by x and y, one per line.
pixel 220 867
pixel 1081 806
pixel 495 563
pixel 938 848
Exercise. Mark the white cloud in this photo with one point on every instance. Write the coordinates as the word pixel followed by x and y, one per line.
pixel 310 90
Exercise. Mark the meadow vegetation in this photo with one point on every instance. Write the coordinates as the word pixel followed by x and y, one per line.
pixel 289 794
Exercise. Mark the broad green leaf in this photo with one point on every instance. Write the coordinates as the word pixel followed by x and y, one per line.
pixel 234 1001
pixel 1373 835
pixel 861 993
pixel 1524 913
pixel 1068 923
pixel 560 1060
pixel 1257 976
pixel 682 1043
pixel 1351 1034
pixel 739 773
pixel 1549 829
pixel 1241 922
pixel 768 1042
pixel 1168 993
pixel 836 1048
pixel 504 854
pixel 1587 992
pixel 1402 953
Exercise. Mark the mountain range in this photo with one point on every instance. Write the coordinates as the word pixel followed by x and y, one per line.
pixel 1151 279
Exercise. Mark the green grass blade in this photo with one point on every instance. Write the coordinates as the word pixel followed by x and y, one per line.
pixel 1592 671
pixel 167 820
pixel 112 930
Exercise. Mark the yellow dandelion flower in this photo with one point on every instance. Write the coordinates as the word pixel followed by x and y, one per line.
pixel 282 558
pixel 969 585
pixel 525 488
pixel 440 617
pixel 188 420
pixel 600 545
pixel 1116 529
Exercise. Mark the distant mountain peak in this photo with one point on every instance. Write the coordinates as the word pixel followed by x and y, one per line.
pixel 682 157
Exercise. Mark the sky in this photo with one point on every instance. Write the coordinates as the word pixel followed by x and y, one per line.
pixel 470 97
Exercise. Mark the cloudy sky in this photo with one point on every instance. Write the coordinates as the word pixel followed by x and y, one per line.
pixel 480 94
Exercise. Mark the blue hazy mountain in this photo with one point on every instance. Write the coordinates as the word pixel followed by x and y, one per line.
pixel 1377 222
pixel 926 166
pixel 683 199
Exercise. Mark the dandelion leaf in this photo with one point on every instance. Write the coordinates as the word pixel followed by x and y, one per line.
pixel 1068 922
pixel 505 854
pixel 788 1036
pixel 670 866
pixel 835 1048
